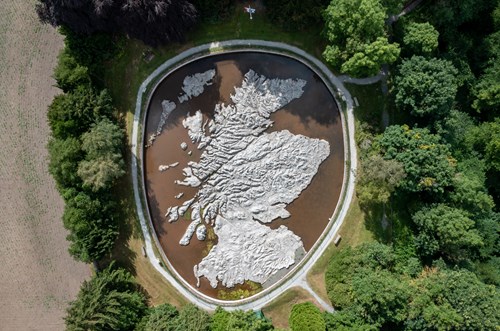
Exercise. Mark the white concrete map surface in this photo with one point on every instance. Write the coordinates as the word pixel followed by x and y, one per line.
pixel 246 177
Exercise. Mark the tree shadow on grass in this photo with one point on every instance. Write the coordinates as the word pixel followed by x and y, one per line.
pixel 374 221
pixel 128 224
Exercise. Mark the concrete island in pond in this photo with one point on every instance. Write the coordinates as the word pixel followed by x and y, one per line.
pixel 243 167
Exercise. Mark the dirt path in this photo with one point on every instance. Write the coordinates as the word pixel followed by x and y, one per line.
pixel 37 275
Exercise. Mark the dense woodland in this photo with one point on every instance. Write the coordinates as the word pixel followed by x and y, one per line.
pixel 433 172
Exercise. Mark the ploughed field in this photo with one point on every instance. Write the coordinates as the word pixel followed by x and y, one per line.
pixel 37 276
pixel 243 167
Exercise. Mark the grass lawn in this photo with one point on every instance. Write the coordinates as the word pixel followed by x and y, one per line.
pixel 279 310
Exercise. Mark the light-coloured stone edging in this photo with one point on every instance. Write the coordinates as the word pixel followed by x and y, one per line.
pixel 297 276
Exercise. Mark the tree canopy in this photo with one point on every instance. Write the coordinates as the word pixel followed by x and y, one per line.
pixel 63 165
pixel 296 14
pixel 110 300
pixel 103 162
pixel 238 320
pixel 154 22
pixel 446 230
pixel 425 86
pixel 355 30
pixel 306 317
pixel 420 38
pixel 92 225
pixel 378 178
pixel 427 162
pixel 452 300
pixel 71 114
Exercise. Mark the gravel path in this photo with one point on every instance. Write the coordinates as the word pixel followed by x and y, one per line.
pixel 299 277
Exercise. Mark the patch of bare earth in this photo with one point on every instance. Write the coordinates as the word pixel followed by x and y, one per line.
pixel 37 276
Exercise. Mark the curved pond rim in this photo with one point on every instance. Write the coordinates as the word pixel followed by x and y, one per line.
pixel 143 107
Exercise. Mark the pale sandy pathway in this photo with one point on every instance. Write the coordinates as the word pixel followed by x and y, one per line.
pixel 37 275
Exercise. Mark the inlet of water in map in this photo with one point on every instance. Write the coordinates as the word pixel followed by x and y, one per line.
pixel 314 114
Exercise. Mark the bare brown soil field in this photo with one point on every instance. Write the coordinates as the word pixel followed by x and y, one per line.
pixel 37 276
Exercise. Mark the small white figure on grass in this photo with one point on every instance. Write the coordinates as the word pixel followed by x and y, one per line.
pixel 250 10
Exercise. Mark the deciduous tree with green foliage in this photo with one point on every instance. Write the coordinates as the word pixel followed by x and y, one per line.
pixel 446 231
pixel 378 178
pixel 425 87
pixel 420 38
pixel 192 318
pixel 238 320
pixel 306 317
pixel 71 114
pixel 92 225
pixel 64 157
pixel 159 318
pixel 110 300
pixel 69 74
pixel 296 14
pixel 358 41
pixel 427 162
pixel 485 139
pixel 104 162
pixel 452 300
pixel 348 262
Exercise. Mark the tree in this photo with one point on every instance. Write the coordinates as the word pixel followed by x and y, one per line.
pixel 356 28
pixel 347 320
pixel 425 86
pixel 455 129
pixel 160 318
pixel 306 317
pixel 368 60
pixel 153 22
pixel 452 300
pixel 192 318
pixel 110 300
pixel 214 10
pixel 365 283
pixel 64 157
pixel 486 140
pixel 92 225
pixel 488 227
pixel 487 90
pixel 69 74
pixel 90 51
pixel 238 320
pixel 378 178
pixel 427 163
pixel 380 296
pixel 420 38
pixel 469 193
pixel 296 14
pixel 104 162
pixel 349 262
pixel 71 114
pixel 443 230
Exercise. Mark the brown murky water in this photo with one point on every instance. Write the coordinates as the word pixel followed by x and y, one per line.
pixel 315 115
